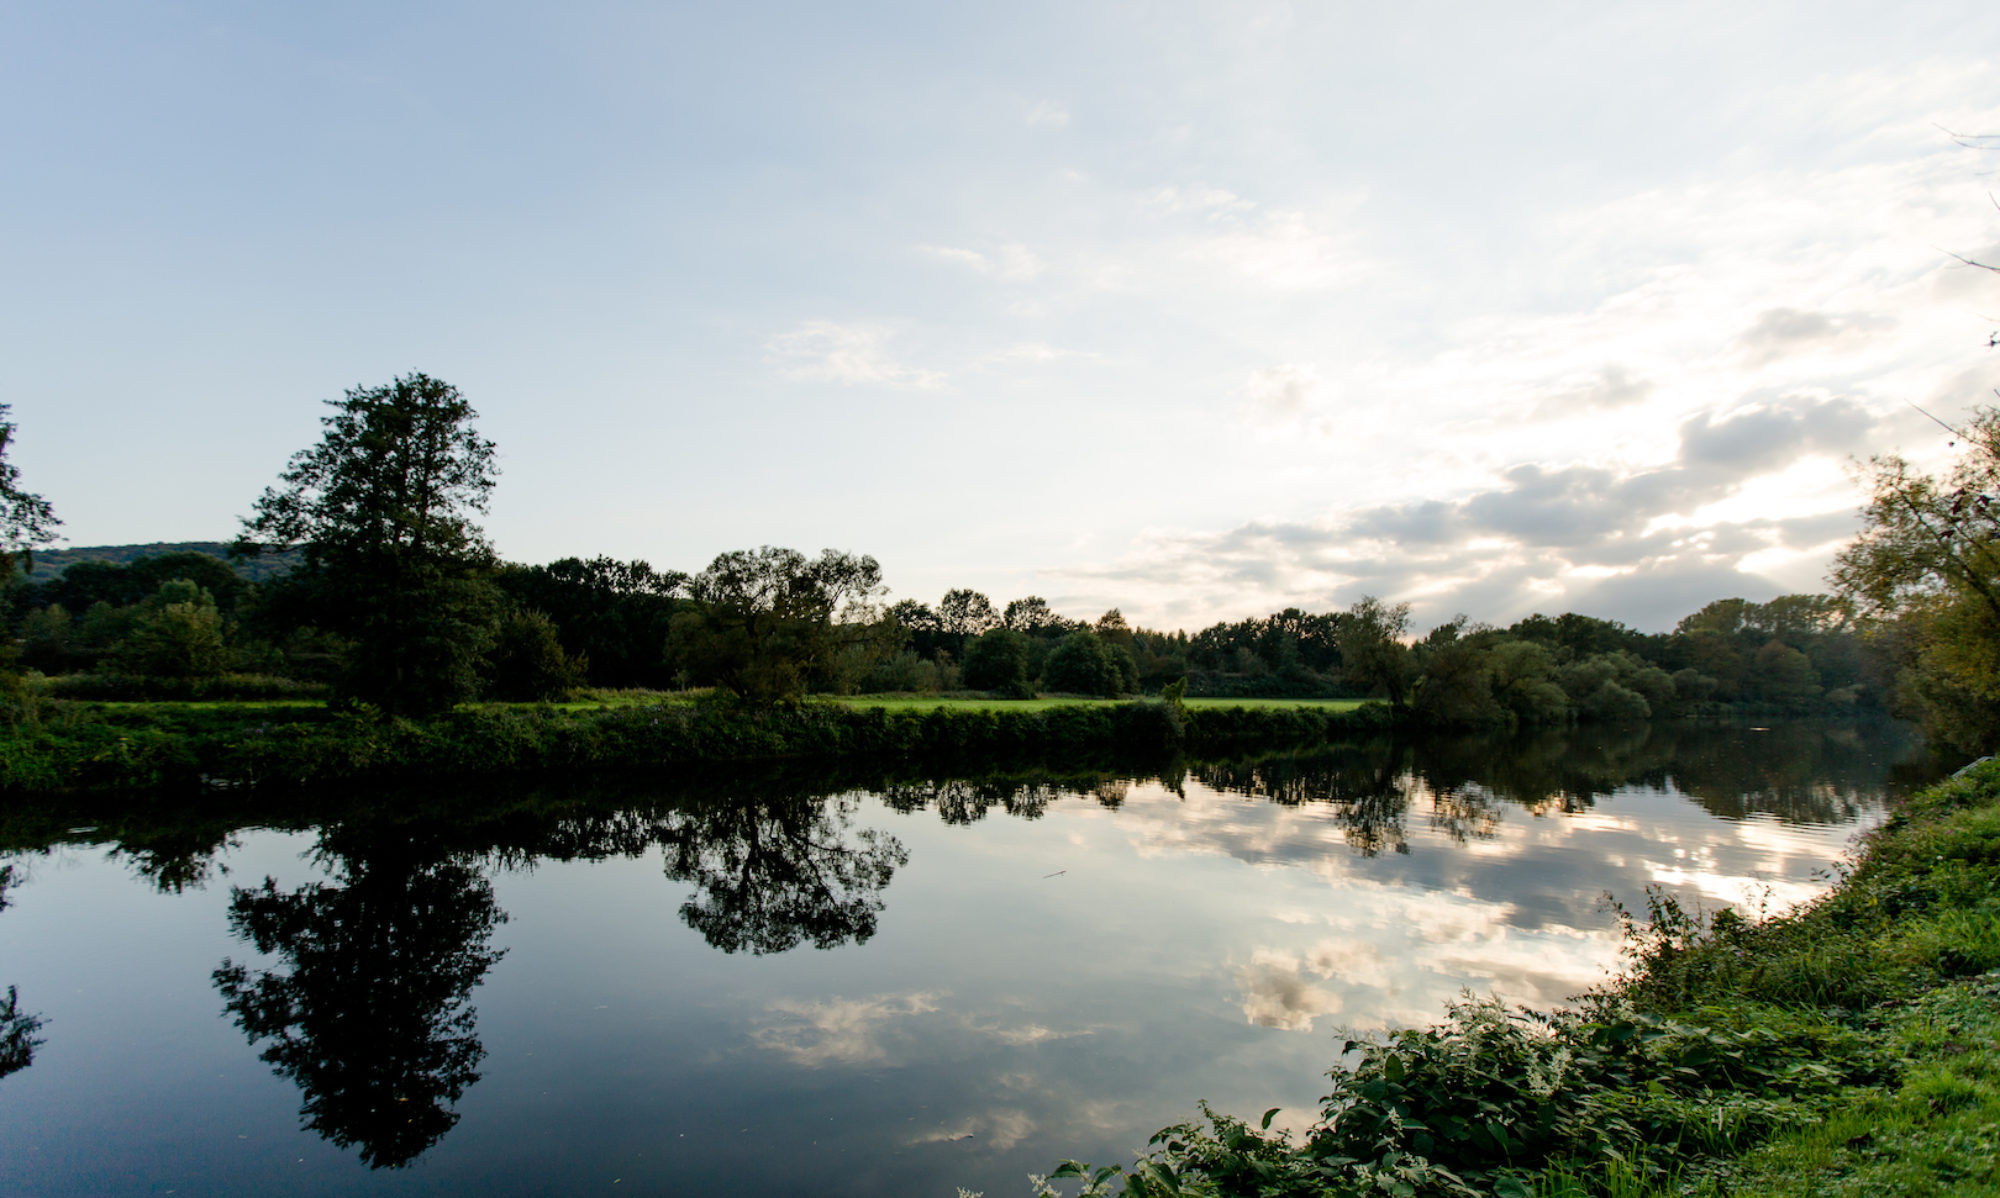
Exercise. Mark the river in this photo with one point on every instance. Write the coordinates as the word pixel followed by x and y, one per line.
pixel 855 981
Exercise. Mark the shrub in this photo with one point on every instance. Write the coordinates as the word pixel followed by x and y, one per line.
pixel 528 663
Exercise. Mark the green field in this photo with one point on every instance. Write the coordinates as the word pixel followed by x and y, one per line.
pixel 636 698
pixel 927 702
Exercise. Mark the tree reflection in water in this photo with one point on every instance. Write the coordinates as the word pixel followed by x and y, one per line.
pixel 370 1013
pixel 371 1016
pixel 368 1010
pixel 770 874
pixel 17 1028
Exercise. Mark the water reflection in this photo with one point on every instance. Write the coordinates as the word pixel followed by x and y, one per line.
pixel 18 1040
pixel 770 874
pixel 1066 954
pixel 371 1015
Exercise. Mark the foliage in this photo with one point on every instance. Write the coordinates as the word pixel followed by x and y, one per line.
pixel 768 624
pixel 613 615
pixel 528 663
pixel 178 635
pixel 1371 644
pixel 52 564
pixel 122 584
pixel 998 661
pixel 1927 559
pixel 383 508
pixel 190 745
pixel 27 522
pixel 1084 664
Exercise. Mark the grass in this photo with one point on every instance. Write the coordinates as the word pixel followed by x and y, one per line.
pixel 594 700
pixel 1936 1133
pixel 929 702
pixel 198 704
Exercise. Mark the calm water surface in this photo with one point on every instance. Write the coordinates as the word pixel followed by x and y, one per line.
pixel 785 984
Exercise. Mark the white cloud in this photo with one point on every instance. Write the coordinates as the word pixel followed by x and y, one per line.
pixel 1000 1129
pixel 1276 994
pixel 837 1031
pixel 827 351
pixel 1283 393
pixel 1048 114
pixel 1009 263
pixel 1209 201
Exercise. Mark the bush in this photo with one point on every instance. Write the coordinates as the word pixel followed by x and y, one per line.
pixel 528 663
pixel 902 672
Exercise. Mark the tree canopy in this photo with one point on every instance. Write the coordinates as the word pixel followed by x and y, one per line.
pixel 27 522
pixel 383 508
pixel 1926 570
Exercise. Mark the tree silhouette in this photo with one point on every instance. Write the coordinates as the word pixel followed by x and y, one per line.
pixel 371 1018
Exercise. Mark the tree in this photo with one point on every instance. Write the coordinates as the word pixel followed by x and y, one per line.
pixel 1372 649
pixel 767 624
pixel 178 636
pixel 27 522
pixel 998 661
pixel 383 508
pixel 1032 615
pixel 1928 560
pixel 963 615
pixel 1926 537
pixel 528 664
pixel 613 614
pixel 1084 664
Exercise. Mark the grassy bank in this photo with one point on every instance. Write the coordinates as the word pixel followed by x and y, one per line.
pixel 116 746
pixel 1846 1048
pixel 931 702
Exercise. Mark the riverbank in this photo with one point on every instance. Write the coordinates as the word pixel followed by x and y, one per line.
pixel 1845 1048
pixel 85 747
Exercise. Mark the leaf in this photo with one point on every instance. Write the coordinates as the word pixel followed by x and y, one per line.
pixel 1268 1116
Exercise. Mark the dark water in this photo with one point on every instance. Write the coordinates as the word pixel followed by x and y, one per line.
pixel 812 984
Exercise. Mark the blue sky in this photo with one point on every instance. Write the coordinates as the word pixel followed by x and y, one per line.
pixel 1195 310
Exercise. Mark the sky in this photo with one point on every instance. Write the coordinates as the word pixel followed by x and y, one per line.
pixel 1199 311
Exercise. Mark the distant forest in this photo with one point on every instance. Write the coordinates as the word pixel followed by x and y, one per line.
pixel 187 618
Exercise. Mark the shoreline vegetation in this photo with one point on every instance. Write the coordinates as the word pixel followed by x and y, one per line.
pixel 168 745
pixel 1848 1047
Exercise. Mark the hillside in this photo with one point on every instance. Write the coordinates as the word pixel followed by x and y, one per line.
pixel 50 563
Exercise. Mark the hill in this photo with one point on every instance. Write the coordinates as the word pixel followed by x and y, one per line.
pixel 50 563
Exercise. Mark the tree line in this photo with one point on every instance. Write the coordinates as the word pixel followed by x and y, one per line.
pixel 397 601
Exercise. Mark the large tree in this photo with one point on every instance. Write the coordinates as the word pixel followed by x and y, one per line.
pixel 1371 639
pixel 27 522
pixel 1928 558
pixel 383 509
